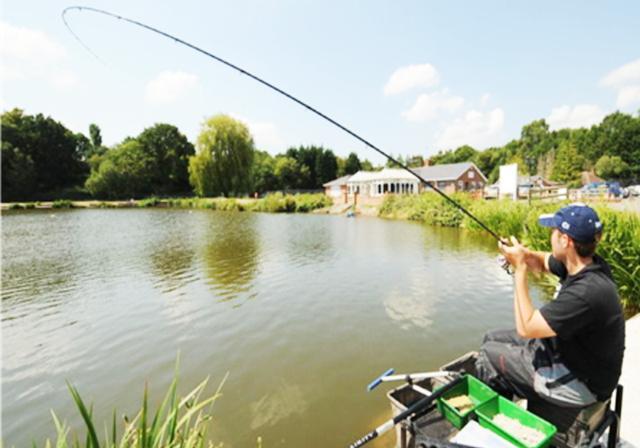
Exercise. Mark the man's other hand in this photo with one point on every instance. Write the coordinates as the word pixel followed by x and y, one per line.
pixel 516 254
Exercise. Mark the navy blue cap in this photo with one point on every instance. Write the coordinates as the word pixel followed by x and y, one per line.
pixel 577 220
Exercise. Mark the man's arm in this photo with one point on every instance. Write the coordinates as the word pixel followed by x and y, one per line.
pixel 529 322
pixel 537 261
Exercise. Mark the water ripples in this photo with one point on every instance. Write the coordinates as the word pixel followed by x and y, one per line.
pixel 107 298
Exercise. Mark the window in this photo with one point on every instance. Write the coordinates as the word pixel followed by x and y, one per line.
pixel 472 174
pixel 460 184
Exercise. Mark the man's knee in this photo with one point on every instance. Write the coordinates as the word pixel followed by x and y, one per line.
pixel 505 336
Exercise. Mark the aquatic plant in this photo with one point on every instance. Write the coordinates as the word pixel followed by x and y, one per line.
pixel 178 422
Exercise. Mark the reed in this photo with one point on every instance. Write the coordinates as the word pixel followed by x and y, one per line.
pixel 177 422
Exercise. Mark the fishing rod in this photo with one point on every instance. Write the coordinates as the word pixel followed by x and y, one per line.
pixel 282 92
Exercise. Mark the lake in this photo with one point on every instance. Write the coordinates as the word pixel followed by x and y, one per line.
pixel 302 311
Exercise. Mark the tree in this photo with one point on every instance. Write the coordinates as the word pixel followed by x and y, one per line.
pixel 95 136
pixel 264 175
pixel 326 168
pixel 534 142
pixel 568 164
pixel 170 150
pixel 611 167
pixel 18 174
pixel 619 135
pixel 368 166
pixel 352 164
pixel 464 153
pixel 416 161
pixel 225 155
pixel 125 172
pixel 50 150
pixel 290 173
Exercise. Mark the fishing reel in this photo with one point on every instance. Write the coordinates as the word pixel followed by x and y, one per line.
pixel 504 264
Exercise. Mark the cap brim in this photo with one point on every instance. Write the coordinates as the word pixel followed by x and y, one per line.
pixel 547 220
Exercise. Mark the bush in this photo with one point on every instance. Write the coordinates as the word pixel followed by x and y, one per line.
pixel 149 202
pixel 62 203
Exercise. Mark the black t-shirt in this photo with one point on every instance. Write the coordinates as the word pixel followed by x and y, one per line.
pixel 587 318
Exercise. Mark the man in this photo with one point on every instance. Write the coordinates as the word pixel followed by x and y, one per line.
pixel 569 352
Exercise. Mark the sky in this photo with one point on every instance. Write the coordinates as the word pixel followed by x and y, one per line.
pixel 412 77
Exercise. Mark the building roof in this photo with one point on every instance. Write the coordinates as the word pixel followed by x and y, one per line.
pixel 386 174
pixel 450 171
pixel 337 182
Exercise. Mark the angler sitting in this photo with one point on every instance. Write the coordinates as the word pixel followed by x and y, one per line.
pixel 569 352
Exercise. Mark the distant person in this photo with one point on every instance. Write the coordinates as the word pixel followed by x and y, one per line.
pixel 569 352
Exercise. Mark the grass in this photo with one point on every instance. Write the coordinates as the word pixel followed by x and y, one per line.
pixel 620 244
pixel 178 422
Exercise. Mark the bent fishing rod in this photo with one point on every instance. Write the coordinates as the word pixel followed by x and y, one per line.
pixel 280 91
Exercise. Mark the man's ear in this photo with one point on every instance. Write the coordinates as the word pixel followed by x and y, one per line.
pixel 566 240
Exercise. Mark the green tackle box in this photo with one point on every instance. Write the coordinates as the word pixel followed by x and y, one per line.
pixel 476 390
pixel 500 405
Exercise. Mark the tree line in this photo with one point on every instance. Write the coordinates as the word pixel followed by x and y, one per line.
pixel 611 149
pixel 42 159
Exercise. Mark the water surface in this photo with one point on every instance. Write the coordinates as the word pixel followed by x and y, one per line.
pixel 303 311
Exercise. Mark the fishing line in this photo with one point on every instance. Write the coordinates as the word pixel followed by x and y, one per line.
pixel 282 92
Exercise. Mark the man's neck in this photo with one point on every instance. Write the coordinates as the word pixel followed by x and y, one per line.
pixel 575 263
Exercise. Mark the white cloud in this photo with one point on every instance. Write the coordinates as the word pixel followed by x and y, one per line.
pixel 485 99
pixel 405 78
pixel 169 87
pixel 628 73
pixel 28 44
pixel 478 129
pixel 29 54
pixel 582 115
pixel 626 80
pixel 628 95
pixel 427 106
pixel 265 134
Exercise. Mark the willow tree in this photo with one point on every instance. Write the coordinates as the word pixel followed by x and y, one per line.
pixel 222 165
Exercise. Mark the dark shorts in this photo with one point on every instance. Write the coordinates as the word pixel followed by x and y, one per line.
pixel 529 368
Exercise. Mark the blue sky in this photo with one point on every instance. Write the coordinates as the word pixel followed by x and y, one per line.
pixel 411 77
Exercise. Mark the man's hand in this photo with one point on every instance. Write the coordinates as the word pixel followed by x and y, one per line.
pixel 516 254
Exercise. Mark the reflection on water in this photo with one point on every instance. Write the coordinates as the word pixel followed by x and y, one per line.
pixel 106 298
pixel 231 255
pixel 271 408
pixel 172 265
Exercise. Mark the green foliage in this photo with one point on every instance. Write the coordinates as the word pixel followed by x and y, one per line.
pixel 428 207
pixel 611 167
pixel 263 173
pixel 352 164
pixel 170 151
pixel 290 173
pixel 301 203
pixel 39 154
pixel 62 203
pixel 153 201
pixel 177 422
pixel 224 159
pixel 568 164
pixel 321 165
pixel 462 154
pixel 96 137
pixel 125 171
